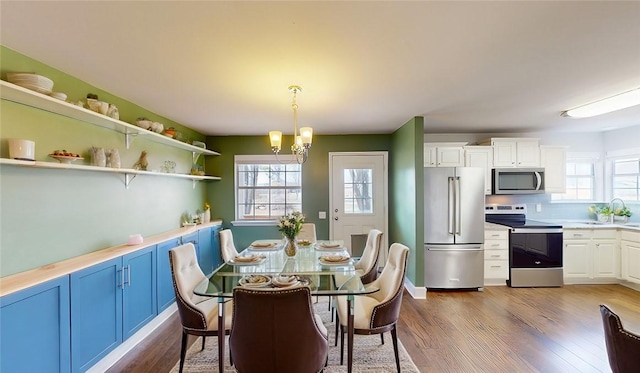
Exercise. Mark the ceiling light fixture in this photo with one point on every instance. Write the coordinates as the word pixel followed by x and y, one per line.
pixel 613 103
pixel 302 141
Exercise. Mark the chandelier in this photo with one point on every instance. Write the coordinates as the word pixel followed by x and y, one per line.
pixel 301 141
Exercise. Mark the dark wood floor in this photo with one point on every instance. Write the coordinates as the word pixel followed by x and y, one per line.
pixel 499 330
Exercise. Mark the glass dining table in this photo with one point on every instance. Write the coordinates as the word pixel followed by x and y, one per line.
pixel 324 266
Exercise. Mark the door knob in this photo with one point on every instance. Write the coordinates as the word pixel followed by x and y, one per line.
pixel 336 218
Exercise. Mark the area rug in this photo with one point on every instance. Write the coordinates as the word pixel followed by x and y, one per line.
pixel 368 354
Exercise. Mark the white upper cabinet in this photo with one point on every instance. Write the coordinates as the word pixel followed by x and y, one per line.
pixel 515 152
pixel 445 154
pixel 554 161
pixel 480 156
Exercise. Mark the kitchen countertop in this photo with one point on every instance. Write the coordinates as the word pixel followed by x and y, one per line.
pixel 592 224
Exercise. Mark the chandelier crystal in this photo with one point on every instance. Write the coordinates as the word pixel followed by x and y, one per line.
pixel 302 141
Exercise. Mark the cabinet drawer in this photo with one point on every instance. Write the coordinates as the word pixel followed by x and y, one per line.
pixel 576 233
pixel 496 245
pixel 496 254
pixel 605 233
pixel 630 236
pixel 496 235
pixel 496 269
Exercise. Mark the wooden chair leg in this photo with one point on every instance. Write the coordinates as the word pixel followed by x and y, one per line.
pixel 203 339
pixel 337 326
pixel 394 338
pixel 183 350
pixel 341 345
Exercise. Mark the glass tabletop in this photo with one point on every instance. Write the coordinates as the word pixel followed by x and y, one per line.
pixel 265 266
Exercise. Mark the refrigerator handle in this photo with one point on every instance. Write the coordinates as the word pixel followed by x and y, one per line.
pixel 450 206
pixel 457 203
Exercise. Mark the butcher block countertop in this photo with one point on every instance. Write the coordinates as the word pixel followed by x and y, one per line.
pixel 23 280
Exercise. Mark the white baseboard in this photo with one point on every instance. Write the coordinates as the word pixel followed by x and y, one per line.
pixel 419 292
pixel 126 346
pixel 631 285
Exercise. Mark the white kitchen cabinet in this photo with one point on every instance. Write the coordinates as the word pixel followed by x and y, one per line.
pixel 554 161
pixel 591 256
pixel 514 152
pixel 630 251
pixel 445 154
pixel 480 156
pixel 496 256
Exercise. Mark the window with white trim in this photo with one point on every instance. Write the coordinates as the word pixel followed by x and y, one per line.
pixel 266 189
pixel 581 179
pixel 625 183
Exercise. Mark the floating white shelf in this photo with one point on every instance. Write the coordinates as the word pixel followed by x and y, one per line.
pixel 15 93
pixel 129 173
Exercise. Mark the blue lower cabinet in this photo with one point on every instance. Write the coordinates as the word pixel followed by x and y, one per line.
pixel 139 295
pixel 215 245
pixel 205 255
pixel 35 329
pixel 96 313
pixel 109 302
pixel 193 238
pixel 166 294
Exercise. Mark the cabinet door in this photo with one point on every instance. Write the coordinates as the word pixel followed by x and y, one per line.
pixel 96 313
pixel 554 161
pixel 215 246
pixel 205 257
pixel 631 261
pixel 576 260
pixel 481 156
pixel 504 154
pixel 166 294
pixel 35 332
pixel 191 238
pixel 430 156
pixel 606 259
pixel 528 153
pixel 139 303
pixel 450 157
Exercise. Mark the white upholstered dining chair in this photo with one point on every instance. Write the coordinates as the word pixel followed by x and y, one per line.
pixel 308 232
pixel 198 315
pixel 367 266
pixel 378 312
pixel 227 247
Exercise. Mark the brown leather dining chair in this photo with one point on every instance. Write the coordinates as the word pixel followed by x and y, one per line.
pixel 623 347
pixel 277 331
pixel 367 266
pixel 378 312
pixel 198 315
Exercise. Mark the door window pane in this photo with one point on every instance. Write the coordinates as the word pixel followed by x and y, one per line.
pixel 358 191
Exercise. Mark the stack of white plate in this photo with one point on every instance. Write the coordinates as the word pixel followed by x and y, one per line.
pixel 33 82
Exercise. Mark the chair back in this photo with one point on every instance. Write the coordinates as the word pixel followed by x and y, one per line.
pixel 227 247
pixel 370 258
pixel 391 285
pixel 307 232
pixel 186 274
pixel 623 347
pixel 275 331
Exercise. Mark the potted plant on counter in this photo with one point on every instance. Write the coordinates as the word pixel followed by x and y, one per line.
pixel 621 214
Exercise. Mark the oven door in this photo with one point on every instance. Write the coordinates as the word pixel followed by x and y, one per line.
pixel 535 248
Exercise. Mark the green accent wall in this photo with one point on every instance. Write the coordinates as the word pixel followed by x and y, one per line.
pixel 48 215
pixel 315 176
pixel 406 200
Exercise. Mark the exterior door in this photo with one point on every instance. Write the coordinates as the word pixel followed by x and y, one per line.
pixel 358 196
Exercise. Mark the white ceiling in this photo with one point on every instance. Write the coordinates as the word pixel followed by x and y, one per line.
pixel 223 68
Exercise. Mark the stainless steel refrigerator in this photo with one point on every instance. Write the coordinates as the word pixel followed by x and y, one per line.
pixel 454 227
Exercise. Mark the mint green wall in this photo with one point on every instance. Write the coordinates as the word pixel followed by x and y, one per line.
pixel 47 215
pixel 315 176
pixel 406 219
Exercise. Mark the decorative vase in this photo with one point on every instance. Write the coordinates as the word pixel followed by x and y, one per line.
pixel 207 215
pixel 290 247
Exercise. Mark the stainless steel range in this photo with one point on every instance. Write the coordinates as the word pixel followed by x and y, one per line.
pixel 535 248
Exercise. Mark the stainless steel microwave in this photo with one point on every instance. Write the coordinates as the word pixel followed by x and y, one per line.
pixel 517 180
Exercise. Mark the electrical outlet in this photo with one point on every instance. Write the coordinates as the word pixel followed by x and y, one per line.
pixel 538 207
pixel 322 215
